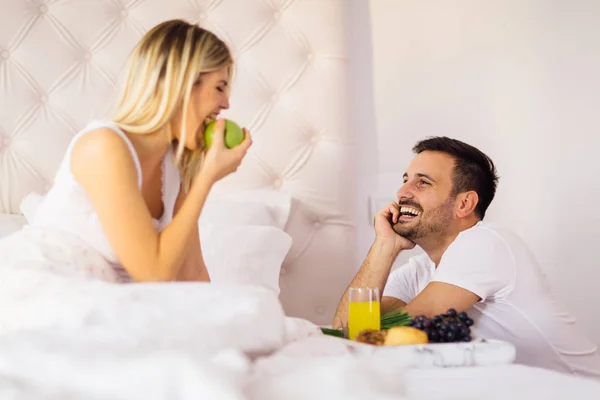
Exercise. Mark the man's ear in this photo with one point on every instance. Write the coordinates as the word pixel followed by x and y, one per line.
pixel 467 201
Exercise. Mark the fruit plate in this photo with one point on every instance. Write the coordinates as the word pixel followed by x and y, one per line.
pixel 478 352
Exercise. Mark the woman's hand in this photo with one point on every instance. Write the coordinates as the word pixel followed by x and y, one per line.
pixel 220 161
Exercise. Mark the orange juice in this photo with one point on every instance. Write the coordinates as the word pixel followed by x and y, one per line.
pixel 363 315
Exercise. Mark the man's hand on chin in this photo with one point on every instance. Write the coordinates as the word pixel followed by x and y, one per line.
pixel 384 231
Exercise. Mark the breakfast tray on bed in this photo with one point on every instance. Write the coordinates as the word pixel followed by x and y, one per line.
pixel 479 352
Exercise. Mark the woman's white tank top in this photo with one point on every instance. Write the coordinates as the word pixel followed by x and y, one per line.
pixel 66 206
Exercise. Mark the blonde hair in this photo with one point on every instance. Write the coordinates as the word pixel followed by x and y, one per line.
pixel 160 74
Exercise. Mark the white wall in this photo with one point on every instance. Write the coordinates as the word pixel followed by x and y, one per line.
pixel 518 79
pixel 362 114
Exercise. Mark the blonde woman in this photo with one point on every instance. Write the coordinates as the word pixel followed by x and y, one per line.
pixel 128 195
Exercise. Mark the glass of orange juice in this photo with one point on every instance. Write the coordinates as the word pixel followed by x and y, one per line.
pixel 363 310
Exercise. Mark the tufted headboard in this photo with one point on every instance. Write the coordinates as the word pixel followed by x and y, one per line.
pixel 60 62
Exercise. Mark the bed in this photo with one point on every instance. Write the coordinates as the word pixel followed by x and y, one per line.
pixel 295 225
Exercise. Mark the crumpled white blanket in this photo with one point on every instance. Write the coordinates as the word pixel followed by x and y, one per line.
pixel 65 337
pixel 95 364
pixel 98 361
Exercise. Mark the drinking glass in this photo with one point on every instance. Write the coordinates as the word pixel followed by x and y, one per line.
pixel 363 310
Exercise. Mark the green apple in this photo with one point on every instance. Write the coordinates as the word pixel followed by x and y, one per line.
pixel 234 135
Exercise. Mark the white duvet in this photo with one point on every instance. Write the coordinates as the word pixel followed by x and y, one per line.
pixel 90 339
pixel 93 340
pixel 71 337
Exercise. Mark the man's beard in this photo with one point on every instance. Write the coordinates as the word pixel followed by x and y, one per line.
pixel 433 222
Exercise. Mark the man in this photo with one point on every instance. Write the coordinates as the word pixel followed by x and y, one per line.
pixel 468 264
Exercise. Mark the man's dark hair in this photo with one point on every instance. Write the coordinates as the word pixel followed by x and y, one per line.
pixel 473 170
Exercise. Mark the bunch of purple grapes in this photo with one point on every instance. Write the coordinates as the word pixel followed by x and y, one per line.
pixel 445 328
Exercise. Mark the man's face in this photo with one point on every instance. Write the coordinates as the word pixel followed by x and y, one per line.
pixel 425 198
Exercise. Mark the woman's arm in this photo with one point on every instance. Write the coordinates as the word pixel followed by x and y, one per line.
pixel 193 267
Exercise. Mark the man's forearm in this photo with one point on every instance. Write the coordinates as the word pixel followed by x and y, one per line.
pixel 374 272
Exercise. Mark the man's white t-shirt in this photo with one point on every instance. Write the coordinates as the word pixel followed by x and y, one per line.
pixel 516 305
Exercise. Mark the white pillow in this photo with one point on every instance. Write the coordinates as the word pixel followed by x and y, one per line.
pixel 245 254
pixel 263 207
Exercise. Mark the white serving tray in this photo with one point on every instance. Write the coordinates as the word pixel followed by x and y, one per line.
pixel 479 352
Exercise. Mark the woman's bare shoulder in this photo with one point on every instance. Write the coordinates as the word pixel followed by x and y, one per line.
pixel 101 150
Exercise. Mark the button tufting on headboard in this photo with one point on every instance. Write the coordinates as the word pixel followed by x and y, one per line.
pixel 60 63
pixel 4 142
